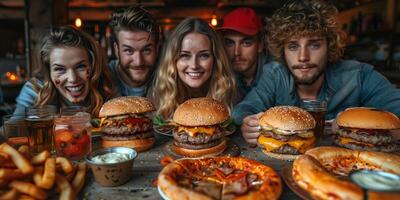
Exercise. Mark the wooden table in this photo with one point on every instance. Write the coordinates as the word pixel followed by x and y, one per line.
pixel 147 166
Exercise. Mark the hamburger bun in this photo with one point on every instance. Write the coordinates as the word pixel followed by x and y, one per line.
pixel 201 112
pixel 289 118
pixel 126 105
pixel 368 118
pixel 212 151
pixel 279 156
pixel 138 144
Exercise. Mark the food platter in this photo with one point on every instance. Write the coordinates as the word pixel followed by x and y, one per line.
pixel 163 196
pixel 232 149
pixel 288 178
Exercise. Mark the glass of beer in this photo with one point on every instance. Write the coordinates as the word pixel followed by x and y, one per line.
pixel 15 131
pixel 40 126
pixel 317 109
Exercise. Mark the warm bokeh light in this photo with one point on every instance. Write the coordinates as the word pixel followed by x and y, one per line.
pixel 78 22
pixel 214 20
pixel 11 76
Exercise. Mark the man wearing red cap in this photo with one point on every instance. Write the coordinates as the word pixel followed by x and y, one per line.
pixel 243 40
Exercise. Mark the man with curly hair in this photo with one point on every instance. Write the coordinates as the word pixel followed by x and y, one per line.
pixel 304 39
pixel 136 45
pixel 243 37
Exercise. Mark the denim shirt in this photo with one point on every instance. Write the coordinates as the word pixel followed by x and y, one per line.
pixel 347 84
pixel 123 88
pixel 243 88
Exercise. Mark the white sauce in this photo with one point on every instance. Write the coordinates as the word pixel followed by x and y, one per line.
pixel 377 182
pixel 109 158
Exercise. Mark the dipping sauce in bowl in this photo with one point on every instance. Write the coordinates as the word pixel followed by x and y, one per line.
pixel 112 157
pixel 112 166
pixel 376 180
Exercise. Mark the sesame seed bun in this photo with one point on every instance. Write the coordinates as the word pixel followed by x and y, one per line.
pixel 289 118
pixel 368 118
pixel 201 112
pixel 126 105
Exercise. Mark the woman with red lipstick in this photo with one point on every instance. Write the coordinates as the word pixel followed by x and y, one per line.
pixel 194 64
pixel 72 70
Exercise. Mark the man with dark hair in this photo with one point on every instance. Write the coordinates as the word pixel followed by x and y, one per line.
pixel 243 37
pixel 136 44
pixel 303 36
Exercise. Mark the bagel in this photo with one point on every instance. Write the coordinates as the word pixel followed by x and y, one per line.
pixel 314 171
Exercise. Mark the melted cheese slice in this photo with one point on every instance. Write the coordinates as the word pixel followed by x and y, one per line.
pixel 193 131
pixel 271 144
pixel 345 140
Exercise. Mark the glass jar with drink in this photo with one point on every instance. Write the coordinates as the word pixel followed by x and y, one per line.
pixel 317 109
pixel 72 134
pixel 39 121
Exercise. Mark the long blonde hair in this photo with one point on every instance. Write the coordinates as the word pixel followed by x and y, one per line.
pixel 100 83
pixel 169 91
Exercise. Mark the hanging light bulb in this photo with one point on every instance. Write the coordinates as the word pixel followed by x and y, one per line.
pixel 78 22
pixel 214 21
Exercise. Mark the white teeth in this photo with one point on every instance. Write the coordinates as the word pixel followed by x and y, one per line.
pixel 75 88
pixel 194 74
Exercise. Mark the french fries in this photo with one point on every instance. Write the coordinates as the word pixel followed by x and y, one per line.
pixel 23 176
pixel 19 160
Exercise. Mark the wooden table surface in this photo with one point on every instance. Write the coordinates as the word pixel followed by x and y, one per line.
pixel 147 166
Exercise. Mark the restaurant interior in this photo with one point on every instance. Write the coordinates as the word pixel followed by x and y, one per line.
pixel 373 27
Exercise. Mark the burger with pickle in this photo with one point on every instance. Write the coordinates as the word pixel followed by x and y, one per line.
pixel 124 123
pixel 286 132
pixel 198 130
pixel 367 129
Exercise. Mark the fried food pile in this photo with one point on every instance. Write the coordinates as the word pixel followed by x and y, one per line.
pixel 23 176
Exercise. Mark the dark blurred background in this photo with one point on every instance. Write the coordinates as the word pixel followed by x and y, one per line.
pixel 373 28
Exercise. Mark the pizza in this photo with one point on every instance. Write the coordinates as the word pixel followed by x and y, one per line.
pixel 219 178
pixel 322 172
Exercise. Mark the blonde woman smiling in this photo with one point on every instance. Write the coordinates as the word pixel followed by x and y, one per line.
pixel 194 64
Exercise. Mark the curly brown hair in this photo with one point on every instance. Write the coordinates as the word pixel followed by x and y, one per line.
pixel 305 18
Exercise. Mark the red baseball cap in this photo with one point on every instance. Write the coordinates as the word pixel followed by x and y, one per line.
pixel 242 20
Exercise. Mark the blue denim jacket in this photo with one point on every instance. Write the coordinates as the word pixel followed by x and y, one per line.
pixel 347 84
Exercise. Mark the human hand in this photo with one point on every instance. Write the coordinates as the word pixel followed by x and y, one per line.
pixel 250 128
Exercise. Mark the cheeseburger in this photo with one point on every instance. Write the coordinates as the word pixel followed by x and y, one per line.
pixel 286 132
pixel 123 123
pixel 198 129
pixel 367 129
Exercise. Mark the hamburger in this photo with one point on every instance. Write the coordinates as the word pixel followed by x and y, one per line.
pixel 286 132
pixel 123 123
pixel 367 129
pixel 198 130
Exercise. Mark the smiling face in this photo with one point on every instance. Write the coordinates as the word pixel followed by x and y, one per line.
pixel 196 60
pixel 242 50
pixel 306 58
pixel 69 72
pixel 137 52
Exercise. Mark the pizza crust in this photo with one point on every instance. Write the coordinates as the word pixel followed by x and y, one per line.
pixel 312 171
